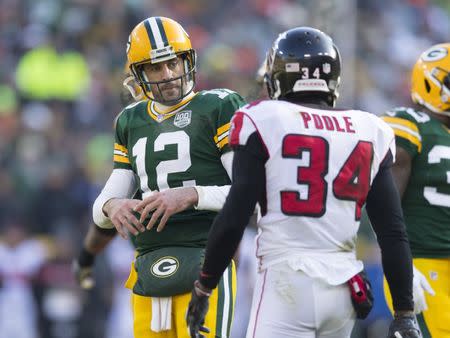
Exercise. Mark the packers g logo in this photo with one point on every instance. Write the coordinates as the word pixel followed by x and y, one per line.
pixel 434 54
pixel 165 267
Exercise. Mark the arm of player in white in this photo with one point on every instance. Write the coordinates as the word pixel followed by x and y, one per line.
pixel 213 197
pixel 121 183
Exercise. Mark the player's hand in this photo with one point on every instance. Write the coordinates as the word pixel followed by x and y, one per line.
pixel 163 204
pixel 404 326
pixel 83 275
pixel 420 286
pixel 198 307
pixel 120 212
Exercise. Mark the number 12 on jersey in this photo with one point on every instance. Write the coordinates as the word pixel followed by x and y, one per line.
pixel 352 182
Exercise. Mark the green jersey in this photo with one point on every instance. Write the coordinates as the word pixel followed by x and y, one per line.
pixel 426 201
pixel 180 148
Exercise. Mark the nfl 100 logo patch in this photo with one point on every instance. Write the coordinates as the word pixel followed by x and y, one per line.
pixel 182 118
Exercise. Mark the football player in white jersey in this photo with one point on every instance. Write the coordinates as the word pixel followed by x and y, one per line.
pixel 311 168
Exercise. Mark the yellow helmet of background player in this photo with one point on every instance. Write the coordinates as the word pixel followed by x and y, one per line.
pixel 430 80
pixel 158 39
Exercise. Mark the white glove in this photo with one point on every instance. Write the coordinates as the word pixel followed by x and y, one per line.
pixel 420 284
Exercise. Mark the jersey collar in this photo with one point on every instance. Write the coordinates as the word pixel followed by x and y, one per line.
pixel 160 113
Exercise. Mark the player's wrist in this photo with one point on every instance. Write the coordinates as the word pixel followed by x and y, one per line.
pixel 189 196
pixel 193 196
pixel 201 290
pixel 199 192
pixel 86 258
pixel 404 313
pixel 208 281
pixel 107 206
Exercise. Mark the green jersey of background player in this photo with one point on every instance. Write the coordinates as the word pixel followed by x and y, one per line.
pixel 173 149
pixel 422 175
pixel 426 197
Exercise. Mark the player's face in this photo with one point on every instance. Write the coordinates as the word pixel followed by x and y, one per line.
pixel 165 71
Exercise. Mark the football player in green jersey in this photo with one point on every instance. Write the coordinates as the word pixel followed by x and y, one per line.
pixel 422 174
pixel 173 148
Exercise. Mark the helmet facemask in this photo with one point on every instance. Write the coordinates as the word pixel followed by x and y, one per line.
pixel 445 92
pixel 444 83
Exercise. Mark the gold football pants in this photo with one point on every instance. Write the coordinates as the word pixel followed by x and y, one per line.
pixel 434 322
pixel 218 319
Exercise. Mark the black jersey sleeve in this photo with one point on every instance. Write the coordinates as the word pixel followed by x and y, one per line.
pixel 384 210
pixel 229 225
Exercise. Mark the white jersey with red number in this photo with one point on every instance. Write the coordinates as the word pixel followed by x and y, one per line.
pixel 320 168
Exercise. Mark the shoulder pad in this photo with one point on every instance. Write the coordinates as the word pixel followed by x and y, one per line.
pixel 218 93
pixel 409 114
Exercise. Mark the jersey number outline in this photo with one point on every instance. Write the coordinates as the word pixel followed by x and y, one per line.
pixel 180 164
pixel 436 154
pixel 352 183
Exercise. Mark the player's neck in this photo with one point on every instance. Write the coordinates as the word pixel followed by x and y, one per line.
pixel 163 109
pixel 444 119
pixel 310 101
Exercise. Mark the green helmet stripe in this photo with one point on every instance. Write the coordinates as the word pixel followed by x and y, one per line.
pixel 151 37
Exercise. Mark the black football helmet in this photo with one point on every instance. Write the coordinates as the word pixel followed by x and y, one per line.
pixel 303 61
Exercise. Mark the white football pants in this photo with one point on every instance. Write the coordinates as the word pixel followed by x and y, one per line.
pixel 288 303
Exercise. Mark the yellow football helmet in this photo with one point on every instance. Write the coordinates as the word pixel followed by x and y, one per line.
pixel 159 39
pixel 430 80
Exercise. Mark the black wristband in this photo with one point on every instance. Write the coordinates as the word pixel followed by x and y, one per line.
pixel 209 282
pixel 85 258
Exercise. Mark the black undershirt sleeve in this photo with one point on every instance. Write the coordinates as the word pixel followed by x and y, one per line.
pixel 229 225
pixel 384 210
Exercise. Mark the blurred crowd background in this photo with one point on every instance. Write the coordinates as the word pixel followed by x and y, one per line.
pixel 61 72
